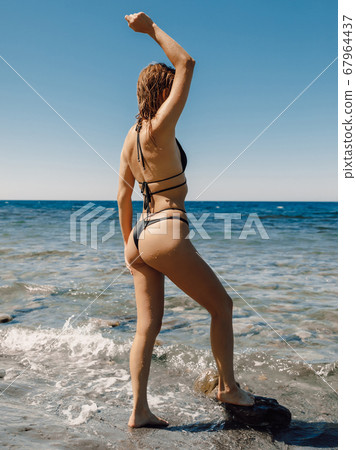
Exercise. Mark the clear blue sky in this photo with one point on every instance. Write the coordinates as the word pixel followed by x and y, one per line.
pixel 253 58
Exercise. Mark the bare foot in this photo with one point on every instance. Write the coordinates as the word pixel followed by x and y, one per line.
pixel 146 420
pixel 236 396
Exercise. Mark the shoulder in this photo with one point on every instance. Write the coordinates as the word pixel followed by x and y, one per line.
pixel 131 134
pixel 128 141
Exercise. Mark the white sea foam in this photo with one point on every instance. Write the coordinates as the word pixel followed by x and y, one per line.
pixel 37 288
pixel 27 288
pixel 80 343
pixel 109 383
pixel 85 414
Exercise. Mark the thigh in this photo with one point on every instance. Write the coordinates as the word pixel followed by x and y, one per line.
pixel 181 263
pixel 149 288
pixel 149 293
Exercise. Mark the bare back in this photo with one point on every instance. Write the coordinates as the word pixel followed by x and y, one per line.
pixel 162 160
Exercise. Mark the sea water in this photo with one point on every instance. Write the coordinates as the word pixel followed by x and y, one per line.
pixel 64 369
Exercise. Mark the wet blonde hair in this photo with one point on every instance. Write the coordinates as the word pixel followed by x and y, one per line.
pixel 153 87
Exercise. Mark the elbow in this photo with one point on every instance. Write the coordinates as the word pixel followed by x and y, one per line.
pixel 188 62
pixel 122 199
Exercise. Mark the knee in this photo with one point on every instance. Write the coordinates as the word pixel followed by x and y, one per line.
pixel 150 328
pixel 223 308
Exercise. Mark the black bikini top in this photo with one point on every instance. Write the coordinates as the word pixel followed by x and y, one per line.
pixel 145 189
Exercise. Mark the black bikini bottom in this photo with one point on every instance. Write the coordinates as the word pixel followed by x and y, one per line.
pixel 144 223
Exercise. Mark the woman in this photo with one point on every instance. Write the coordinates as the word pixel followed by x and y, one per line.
pixel 152 156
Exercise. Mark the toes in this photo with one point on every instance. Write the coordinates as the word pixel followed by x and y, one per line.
pixel 163 422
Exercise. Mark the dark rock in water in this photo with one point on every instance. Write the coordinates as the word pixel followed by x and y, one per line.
pixel 5 318
pixel 104 322
pixel 266 412
pixel 207 382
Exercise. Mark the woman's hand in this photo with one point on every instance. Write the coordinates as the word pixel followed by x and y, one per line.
pixel 140 22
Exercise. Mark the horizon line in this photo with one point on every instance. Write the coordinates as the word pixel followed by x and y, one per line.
pixel 197 201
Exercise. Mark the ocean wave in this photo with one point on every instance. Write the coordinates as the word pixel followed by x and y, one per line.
pixel 20 287
pixel 85 346
pixel 295 367
pixel 81 343
pixel 186 359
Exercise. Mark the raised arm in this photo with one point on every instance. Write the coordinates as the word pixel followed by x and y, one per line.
pixel 168 114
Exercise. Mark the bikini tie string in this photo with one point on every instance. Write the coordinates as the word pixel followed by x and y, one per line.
pixel 139 148
pixel 147 197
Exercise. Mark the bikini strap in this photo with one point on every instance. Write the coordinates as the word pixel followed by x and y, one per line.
pixel 161 219
pixel 168 189
pixel 166 209
pixel 147 196
pixel 139 148
pixel 163 179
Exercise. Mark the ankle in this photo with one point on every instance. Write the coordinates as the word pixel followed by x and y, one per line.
pixel 140 410
pixel 228 387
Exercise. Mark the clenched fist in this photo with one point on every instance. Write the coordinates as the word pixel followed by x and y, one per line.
pixel 139 22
